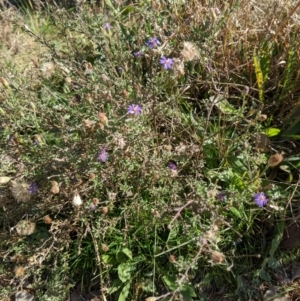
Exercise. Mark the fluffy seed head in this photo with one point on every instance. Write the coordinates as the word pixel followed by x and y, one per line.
pixel 20 191
pixel 77 201
pixel 189 52
pixel 25 227
pixel 48 70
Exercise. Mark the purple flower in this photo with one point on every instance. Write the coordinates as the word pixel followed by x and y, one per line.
pixel 172 165
pixel 167 63
pixel 221 196
pixel 32 188
pixel 92 207
pixel 106 26
pixel 152 42
pixel 138 54
pixel 134 109
pixel 102 156
pixel 260 199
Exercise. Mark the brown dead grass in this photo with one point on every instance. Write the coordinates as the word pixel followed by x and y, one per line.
pixel 17 46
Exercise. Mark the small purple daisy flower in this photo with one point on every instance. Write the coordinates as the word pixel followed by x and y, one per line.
pixel 134 109
pixel 172 166
pixel 32 188
pixel 260 199
pixel 221 196
pixel 167 63
pixel 102 156
pixel 152 42
pixel 106 26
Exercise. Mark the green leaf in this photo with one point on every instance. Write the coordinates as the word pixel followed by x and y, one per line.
pixel 277 239
pixel 127 252
pixel 273 263
pixel 125 270
pixel 271 132
pixel 123 255
pixel 235 212
pixel 125 292
pixel 170 281
pixel 264 275
pixel 115 286
pixel 187 292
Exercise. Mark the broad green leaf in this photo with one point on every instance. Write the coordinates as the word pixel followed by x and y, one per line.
pixel 127 252
pixel 273 263
pixel 125 270
pixel 187 292
pixel 124 292
pixel 264 275
pixel 114 286
pixel 271 132
pixel 123 255
pixel 235 212
pixel 277 239
pixel 170 281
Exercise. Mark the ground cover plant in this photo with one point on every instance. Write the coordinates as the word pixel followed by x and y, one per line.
pixel 150 151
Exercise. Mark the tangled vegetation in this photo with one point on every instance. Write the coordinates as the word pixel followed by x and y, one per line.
pixel 150 150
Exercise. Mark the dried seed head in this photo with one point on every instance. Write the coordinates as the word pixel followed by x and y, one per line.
pixel 104 210
pixel 89 98
pixel 19 272
pixel 189 52
pixel 212 193
pixel 104 247
pixel 20 191
pixel 178 67
pixel 217 257
pixel 54 188
pixel 77 201
pixel 92 176
pixel 25 228
pixel 172 259
pixel 168 147
pixel 95 201
pixel 48 70
pixel 103 119
pixel 274 160
pixel 68 80
pixel 262 117
pixel 124 93
pixel 47 219
pixel 88 124
pixel 4 82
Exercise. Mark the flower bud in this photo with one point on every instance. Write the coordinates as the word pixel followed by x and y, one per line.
pixel 54 188
pixel 274 160
pixel 217 257
pixel 104 210
pixel 103 119
pixel 104 247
